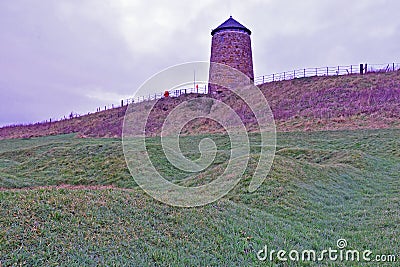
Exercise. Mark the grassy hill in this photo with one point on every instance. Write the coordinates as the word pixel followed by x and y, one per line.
pixel 67 201
pixel 336 102
pixel 313 103
pixel 323 186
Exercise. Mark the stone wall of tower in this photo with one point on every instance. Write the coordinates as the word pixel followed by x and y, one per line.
pixel 233 48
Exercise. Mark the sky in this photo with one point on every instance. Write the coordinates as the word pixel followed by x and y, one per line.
pixel 58 57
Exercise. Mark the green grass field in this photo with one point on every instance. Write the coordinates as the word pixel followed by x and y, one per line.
pixel 323 186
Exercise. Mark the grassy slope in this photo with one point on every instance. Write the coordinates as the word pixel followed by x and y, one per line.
pixel 62 159
pixel 105 123
pixel 314 103
pixel 323 186
pixel 336 102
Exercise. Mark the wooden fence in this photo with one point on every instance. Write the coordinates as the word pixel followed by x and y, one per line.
pixel 326 71
pixel 287 75
pixel 172 93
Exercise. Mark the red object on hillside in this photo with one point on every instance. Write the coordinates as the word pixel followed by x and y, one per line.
pixel 166 94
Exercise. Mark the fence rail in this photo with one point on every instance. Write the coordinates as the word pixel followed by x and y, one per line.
pixel 287 75
pixel 327 71
pixel 172 93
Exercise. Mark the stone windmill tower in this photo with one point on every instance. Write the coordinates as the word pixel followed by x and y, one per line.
pixel 231 45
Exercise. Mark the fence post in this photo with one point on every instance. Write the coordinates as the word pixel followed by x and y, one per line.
pixel 273 77
pixel 304 73
pixel 351 69
pixel 284 76
pixel 393 67
pixel 361 69
pixel 263 75
pixel 294 74
pixel 316 71
pixel 365 68
pixel 327 71
pixel 338 70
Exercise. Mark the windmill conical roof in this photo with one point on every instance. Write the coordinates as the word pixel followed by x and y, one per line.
pixel 230 24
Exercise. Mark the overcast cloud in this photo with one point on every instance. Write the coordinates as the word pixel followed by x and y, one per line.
pixel 62 56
